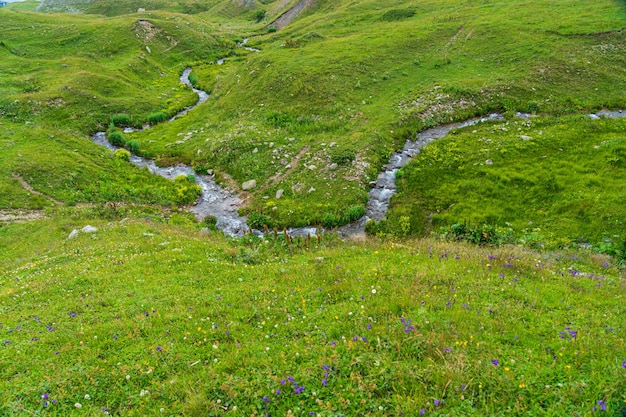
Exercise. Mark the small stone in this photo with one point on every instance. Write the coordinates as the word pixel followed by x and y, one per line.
pixel 148 49
pixel 205 231
pixel 333 165
pixel 311 190
pixel 372 184
pixel 141 10
pixel 333 144
pixel 89 229
pixel 209 172
pixel 312 167
pixel 489 162
pixel 279 194
pixel 284 162
pixel 248 185
pixel 524 137
pixel 255 150
pixel 296 188
pixel 73 234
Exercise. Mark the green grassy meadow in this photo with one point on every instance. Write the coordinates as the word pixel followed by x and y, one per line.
pixel 147 318
pixel 495 286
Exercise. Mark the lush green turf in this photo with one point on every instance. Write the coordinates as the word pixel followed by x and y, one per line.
pixel 558 179
pixel 144 318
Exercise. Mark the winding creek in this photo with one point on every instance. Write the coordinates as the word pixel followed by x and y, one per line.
pixel 224 204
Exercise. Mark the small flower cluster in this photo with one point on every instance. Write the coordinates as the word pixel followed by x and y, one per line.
pixel 568 334
pixel 408 327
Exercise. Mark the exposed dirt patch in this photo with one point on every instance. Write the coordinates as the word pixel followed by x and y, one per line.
pixel 286 18
pixel 21 216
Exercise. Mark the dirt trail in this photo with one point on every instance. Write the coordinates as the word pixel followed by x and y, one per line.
pixel 294 164
pixel 27 187
pixel 286 18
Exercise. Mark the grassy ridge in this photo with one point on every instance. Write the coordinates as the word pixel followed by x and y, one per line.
pixel 147 318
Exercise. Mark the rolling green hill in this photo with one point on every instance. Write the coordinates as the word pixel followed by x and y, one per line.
pixel 152 312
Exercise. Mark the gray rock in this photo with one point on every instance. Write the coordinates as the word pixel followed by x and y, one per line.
pixel 279 194
pixel 89 229
pixel 296 188
pixel 248 185
pixel 74 234
pixel 312 167
pixel 333 166
pixel 489 162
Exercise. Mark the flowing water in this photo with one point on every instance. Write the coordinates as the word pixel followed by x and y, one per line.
pixel 224 204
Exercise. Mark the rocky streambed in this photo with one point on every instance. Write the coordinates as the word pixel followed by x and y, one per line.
pixel 224 204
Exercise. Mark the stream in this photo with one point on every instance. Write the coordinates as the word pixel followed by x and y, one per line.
pixel 224 204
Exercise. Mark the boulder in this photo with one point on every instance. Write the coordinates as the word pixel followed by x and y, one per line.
pixel 279 194
pixel 74 234
pixel 248 185
pixel 89 229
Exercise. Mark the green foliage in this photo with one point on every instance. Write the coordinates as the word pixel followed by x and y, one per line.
pixel 193 79
pixel 260 221
pixel 259 15
pixel 121 120
pixel 615 248
pixel 343 155
pixel 353 213
pixel 480 235
pixel 397 14
pixel 133 146
pixel 122 154
pixel 156 118
pixel 210 222
pixel 117 138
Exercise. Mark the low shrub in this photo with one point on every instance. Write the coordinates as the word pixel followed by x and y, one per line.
pixel 258 221
pixel 210 222
pixel 353 214
pixel 120 120
pixel 156 118
pixel 117 138
pixel 193 79
pixel 343 156
pixel 133 146
pixel 122 154
pixel 481 235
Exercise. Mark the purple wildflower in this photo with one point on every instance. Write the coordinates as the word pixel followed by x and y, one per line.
pixel 463 387
pixel 72 314
pixel 495 362
pixel 45 396
pixel 266 400
pixel 324 382
pixel 159 348
pixel 436 402
pixel 277 392
pixel 422 411
pixel 325 367
pixel 624 364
